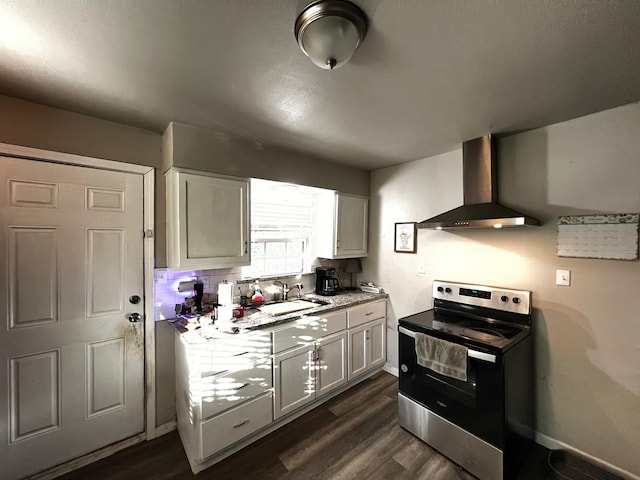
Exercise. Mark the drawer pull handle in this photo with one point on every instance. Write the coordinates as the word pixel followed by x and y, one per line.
pixel 242 386
pixel 243 422
pixel 367 314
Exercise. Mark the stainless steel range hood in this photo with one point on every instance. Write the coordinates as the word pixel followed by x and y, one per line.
pixel 480 207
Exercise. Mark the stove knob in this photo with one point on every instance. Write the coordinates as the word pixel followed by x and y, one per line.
pixel 516 300
pixel 447 290
pixel 440 289
pixel 504 298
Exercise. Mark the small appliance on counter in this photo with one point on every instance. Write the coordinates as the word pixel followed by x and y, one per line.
pixel 327 282
pixel 193 304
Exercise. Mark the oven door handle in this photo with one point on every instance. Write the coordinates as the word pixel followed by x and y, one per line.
pixel 485 357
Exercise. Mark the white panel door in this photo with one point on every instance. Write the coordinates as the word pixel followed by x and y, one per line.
pixel 71 362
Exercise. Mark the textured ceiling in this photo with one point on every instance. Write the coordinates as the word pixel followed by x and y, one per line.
pixel 430 73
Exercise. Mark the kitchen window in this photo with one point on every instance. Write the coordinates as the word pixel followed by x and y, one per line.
pixel 282 229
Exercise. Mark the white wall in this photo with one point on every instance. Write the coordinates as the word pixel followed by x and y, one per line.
pixel 587 336
pixel 38 126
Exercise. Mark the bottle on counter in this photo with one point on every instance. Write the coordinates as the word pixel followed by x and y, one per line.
pixel 257 298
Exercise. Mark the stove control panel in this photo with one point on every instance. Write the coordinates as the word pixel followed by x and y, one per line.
pixel 506 299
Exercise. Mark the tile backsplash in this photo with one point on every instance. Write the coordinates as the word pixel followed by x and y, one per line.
pixel 167 295
pixel 166 284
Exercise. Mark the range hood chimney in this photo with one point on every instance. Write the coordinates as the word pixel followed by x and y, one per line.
pixel 480 207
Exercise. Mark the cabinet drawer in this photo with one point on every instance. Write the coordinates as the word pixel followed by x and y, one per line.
pixel 232 426
pixel 222 392
pixel 308 329
pixel 230 352
pixel 334 322
pixel 365 313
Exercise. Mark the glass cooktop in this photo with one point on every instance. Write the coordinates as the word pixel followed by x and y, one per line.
pixel 460 328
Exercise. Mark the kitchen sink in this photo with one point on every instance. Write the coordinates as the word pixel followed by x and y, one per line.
pixel 283 308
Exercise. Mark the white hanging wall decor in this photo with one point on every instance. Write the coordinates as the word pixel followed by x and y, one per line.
pixel 612 236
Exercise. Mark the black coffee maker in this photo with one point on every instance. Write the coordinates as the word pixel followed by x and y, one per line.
pixel 327 282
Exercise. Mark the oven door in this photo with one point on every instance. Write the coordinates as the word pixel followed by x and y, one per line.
pixel 476 405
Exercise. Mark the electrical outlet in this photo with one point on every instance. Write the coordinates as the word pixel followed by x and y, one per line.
pixel 563 278
pixel 205 282
pixel 422 268
pixel 161 276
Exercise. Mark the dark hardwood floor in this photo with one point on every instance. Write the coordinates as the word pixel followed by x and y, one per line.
pixel 353 436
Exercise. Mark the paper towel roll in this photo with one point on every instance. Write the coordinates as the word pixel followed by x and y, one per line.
pixel 225 293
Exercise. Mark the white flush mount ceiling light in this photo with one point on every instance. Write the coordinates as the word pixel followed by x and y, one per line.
pixel 330 31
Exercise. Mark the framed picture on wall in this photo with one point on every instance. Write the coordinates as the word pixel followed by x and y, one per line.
pixel 405 237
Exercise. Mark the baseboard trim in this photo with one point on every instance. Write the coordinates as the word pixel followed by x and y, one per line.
pixel 84 460
pixel 166 428
pixel 554 444
pixel 390 369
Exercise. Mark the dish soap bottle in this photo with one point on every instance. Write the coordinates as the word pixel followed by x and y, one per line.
pixel 257 297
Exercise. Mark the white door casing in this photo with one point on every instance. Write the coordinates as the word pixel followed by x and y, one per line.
pixel 71 255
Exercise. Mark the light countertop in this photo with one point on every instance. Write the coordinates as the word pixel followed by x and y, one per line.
pixel 255 320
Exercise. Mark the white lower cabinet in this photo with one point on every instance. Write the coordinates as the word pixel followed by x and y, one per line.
pixel 366 347
pixel 331 363
pixel 302 374
pixel 233 389
pixel 293 379
pixel 224 392
pixel 366 334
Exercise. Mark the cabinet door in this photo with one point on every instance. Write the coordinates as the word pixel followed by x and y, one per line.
pixel 357 355
pixel 351 226
pixel 376 342
pixel 331 369
pixel 294 377
pixel 207 221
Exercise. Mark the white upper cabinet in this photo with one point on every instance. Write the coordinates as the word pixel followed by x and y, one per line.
pixel 342 226
pixel 208 220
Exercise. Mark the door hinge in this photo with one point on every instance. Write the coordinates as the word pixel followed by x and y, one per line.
pixel 148 233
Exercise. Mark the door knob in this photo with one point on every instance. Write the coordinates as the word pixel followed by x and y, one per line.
pixel 135 299
pixel 135 317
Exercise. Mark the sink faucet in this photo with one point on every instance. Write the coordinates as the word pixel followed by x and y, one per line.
pixel 285 289
pixel 299 286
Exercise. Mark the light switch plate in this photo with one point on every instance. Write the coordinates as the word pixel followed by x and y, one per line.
pixel 422 268
pixel 563 278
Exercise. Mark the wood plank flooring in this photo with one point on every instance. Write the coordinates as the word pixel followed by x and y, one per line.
pixel 353 436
